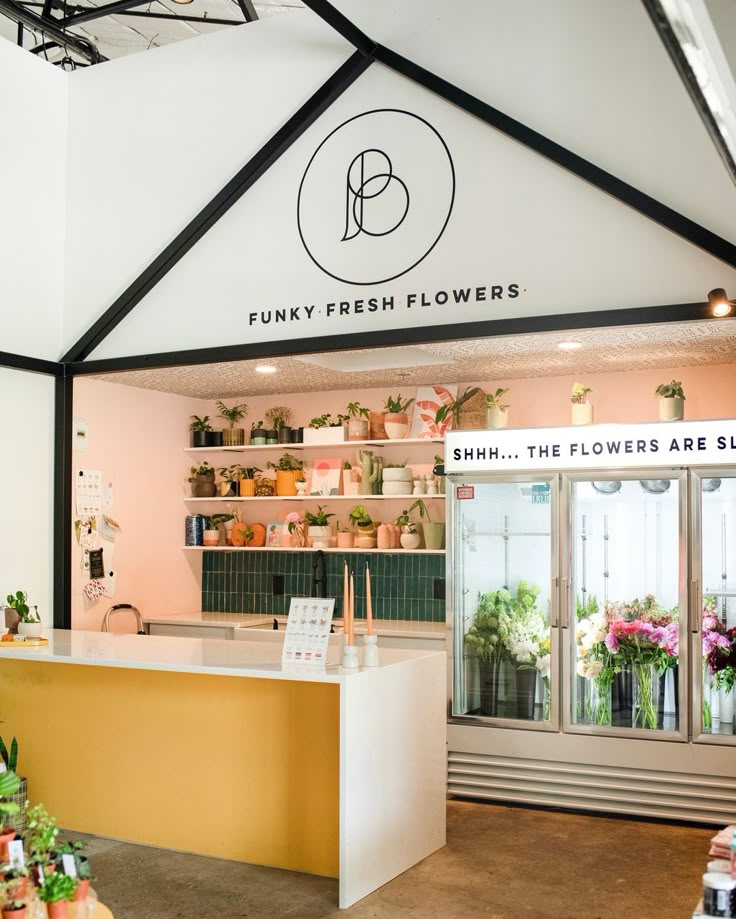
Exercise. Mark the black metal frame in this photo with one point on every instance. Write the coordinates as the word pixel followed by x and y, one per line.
pixel 74 362
pixel 50 28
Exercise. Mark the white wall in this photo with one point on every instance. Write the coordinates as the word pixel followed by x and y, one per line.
pixel 26 447
pixel 33 127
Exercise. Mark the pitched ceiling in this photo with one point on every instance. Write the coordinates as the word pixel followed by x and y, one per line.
pixel 511 357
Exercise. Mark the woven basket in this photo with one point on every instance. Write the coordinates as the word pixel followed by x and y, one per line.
pixel 17 821
pixel 473 413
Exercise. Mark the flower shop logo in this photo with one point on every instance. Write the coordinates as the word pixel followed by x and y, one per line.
pixel 376 197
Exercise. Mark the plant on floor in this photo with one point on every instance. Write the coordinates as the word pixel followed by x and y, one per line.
pixel 57 887
pixel 287 463
pixel 671 390
pixel 454 407
pixel 40 833
pixel 10 903
pixel 318 519
pixel 204 470
pixel 9 757
pixel 579 393
pixel 200 424
pixel 493 400
pixel 278 416
pixel 9 784
pixel 396 406
pixel 234 414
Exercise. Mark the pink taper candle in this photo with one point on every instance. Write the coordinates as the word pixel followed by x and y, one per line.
pixel 346 606
pixel 351 635
pixel 368 606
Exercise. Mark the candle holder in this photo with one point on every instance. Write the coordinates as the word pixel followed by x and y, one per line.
pixel 349 657
pixel 370 650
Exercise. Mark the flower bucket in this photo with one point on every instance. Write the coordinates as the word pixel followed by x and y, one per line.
pixel 526 690
pixel 489 672
pixel 622 700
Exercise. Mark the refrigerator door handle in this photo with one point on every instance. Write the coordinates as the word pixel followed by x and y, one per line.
pixel 554 603
pixel 695 606
pixel 564 603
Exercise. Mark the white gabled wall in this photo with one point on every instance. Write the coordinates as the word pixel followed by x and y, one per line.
pixel 33 127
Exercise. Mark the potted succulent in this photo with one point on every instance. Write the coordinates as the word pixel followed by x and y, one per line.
pixel 395 418
pixel 29 622
pixel 324 429
pixel 202 479
pixel 498 415
pixel 199 428
pixel 319 529
pixel 671 401
pixel 57 891
pixel 248 481
pixel 232 436
pixel 288 470
pixel 230 476
pixel 582 410
pixel 278 417
pixel 448 415
pixel 9 785
pixel 365 527
pixel 396 479
pixel 257 434
pixel 358 421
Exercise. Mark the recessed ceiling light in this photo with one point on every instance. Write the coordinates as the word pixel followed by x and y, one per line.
pixel 722 309
pixel 265 368
pixel 569 345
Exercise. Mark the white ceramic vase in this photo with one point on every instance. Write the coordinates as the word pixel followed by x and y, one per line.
pixel 582 413
pixel 320 537
pixel 672 409
pixel 410 540
pixel 30 629
pixel 498 417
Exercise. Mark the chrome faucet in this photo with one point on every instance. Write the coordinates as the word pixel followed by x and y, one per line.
pixel 124 606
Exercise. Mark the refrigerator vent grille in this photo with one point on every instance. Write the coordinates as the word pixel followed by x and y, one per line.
pixel 605 789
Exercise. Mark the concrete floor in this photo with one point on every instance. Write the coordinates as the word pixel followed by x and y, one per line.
pixel 499 862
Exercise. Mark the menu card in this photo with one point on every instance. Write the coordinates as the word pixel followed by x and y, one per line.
pixel 308 631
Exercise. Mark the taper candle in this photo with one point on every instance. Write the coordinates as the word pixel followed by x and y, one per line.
pixel 368 605
pixel 346 605
pixel 351 637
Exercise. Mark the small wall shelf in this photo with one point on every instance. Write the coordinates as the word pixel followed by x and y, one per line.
pixel 357 499
pixel 311 549
pixel 247 448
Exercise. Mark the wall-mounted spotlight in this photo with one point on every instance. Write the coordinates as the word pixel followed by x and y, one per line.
pixel 719 303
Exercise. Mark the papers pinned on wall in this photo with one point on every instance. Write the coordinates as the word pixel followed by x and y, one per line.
pixel 88 492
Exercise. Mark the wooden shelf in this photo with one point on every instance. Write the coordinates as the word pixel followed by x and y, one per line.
pixel 311 549
pixel 247 448
pixel 357 499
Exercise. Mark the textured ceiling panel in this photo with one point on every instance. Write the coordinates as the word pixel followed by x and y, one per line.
pixel 504 358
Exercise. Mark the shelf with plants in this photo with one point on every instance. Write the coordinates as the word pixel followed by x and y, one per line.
pixel 345 551
pixel 404 441
pixel 354 498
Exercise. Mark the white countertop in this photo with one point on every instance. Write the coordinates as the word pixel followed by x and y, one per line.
pixel 400 628
pixel 189 655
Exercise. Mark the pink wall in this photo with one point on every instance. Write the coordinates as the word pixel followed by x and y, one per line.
pixel 136 438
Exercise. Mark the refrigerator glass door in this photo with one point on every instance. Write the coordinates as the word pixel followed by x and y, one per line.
pixel 623 619
pixel 714 604
pixel 504 596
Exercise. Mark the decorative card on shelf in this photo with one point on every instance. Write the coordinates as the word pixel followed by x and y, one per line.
pixel 273 533
pixel 428 402
pixel 326 476
pixel 308 632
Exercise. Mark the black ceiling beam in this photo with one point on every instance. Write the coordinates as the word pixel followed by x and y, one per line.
pixel 32 364
pixel 318 103
pixel 49 28
pixel 622 191
pixel 97 12
pixel 248 10
pixel 682 66
pixel 384 338
pixel 148 14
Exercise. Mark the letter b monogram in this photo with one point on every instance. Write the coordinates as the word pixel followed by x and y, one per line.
pixel 376 200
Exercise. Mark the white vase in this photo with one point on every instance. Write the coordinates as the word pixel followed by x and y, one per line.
pixel 410 540
pixel 672 409
pixel 498 417
pixel 582 413
pixel 30 629
pixel 396 424
pixel 320 536
pixel 726 708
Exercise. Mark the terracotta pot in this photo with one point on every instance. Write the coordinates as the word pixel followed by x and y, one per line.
pixel 365 542
pixel 211 538
pixel 377 426
pixel 345 540
pixel 383 536
pixel 396 424
pixel 17 890
pixel 286 482
pixel 358 429
pixel 58 910
pixel 6 835
pixel 247 488
pixel 9 913
pixel 82 890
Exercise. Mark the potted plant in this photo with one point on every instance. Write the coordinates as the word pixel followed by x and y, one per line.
pixel 448 415
pixel 365 527
pixel 248 481
pixel 81 863
pixel 230 476
pixel 434 533
pixel 671 401
pixel 350 479
pixel 257 434
pixel 486 642
pixel 202 479
pixel 358 421
pixel 232 436
pixel 324 429
pixel 56 892
pixel 319 529
pixel 410 537
pixel 10 761
pixel 278 417
pixel 582 410
pixel 345 537
pixel 498 415
pixel 29 622
pixel 13 907
pixel 223 523
pixel 439 461
pixel 288 470
pixel 9 785
pixel 199 428
pixel 395 418
pixel 211 532
pixel 396 479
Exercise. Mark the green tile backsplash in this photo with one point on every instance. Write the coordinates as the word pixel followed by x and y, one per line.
pixel 403 586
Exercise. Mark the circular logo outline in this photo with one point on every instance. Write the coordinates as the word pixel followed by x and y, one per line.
pixel 442 228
